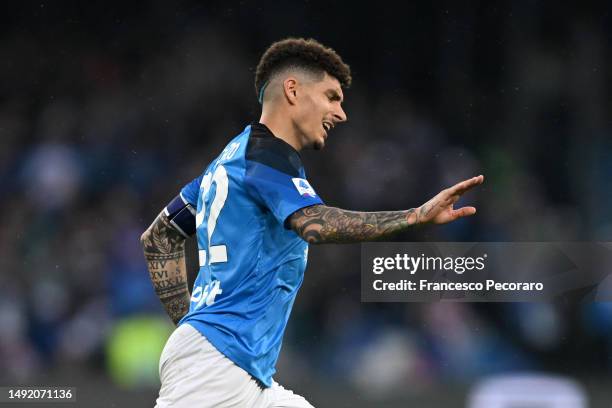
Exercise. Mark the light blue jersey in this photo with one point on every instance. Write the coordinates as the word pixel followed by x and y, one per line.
pixel 251 264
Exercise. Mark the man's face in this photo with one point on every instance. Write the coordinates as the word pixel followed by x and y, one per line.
pixel 319 110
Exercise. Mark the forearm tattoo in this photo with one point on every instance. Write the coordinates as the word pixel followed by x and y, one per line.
pixel 164 250
pixel 321 224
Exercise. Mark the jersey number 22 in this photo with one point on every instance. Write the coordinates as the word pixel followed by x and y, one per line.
pixel 215 253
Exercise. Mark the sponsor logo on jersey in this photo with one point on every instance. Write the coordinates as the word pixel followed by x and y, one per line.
pixel 303 187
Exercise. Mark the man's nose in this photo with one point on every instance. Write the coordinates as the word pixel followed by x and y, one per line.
pixel 339 115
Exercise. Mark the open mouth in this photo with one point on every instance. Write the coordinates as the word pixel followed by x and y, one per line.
pixel 327 126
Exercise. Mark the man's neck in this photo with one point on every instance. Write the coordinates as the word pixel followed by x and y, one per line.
pixel 281 128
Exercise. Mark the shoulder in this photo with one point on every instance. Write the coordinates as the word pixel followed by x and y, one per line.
pixel 264 148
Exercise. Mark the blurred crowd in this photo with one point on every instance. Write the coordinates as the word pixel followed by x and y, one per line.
pixel 106 113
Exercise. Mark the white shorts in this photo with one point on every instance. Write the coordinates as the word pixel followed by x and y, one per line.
pixel 194 373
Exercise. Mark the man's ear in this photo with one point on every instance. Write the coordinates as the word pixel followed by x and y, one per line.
pixel 290 86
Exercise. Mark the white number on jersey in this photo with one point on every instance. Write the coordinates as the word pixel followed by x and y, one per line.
pixel 215 253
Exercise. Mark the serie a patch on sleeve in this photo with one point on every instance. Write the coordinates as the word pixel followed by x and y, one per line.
pixel 303 187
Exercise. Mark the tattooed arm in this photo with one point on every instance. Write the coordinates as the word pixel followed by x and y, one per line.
pixel 321 224
pixel 164 250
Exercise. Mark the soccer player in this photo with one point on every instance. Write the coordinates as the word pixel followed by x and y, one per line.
pixel 254 214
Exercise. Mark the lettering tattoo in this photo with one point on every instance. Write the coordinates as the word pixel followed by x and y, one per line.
pixel 164 250
pixel 321 224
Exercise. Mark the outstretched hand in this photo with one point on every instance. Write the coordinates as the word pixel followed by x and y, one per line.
pixel 439 210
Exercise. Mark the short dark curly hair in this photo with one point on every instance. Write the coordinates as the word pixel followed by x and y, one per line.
pixel 308 54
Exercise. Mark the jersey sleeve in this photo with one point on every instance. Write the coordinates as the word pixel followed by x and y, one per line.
pixel 190 192
pixel 275 179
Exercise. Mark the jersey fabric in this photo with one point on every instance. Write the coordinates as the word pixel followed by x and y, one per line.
pixel 251 263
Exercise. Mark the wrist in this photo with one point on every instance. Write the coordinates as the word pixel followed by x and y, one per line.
pixel 412 216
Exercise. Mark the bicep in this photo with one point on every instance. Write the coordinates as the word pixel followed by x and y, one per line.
pixel 162 236
pixel 307 222
pixel 174 224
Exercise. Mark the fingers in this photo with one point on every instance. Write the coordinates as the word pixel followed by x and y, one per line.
pixel 463 212
pixel 465 185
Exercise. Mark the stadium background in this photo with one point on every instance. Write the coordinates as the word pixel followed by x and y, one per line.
pixel 107 110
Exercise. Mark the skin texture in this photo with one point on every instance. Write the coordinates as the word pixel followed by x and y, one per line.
pixel 320 224
pixel 297 104
pixel 164 250
pixel 319 102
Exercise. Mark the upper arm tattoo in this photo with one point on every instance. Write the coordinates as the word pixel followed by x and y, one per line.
pixel 321 224
pixel 164 250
